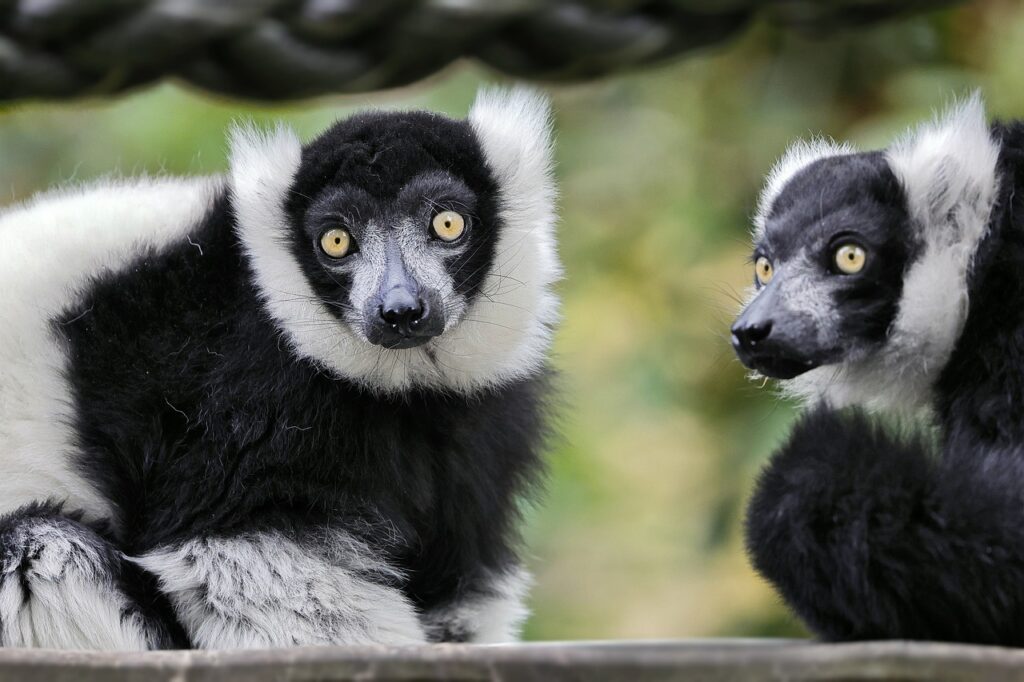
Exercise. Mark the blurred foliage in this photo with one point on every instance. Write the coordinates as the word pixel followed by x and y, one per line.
pixel 661 435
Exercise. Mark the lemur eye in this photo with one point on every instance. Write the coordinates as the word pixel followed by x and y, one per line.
pixel 850 259
pixel 336 242
pixel 448 226
pixel 763 270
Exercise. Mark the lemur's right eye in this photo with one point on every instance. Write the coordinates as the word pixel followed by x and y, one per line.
pixel 336 242
pixel 448 226
pixel 763 270
pixel 850 259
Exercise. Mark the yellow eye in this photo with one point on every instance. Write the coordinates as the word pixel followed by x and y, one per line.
pixel 336 242
pixel 448 226
pixel 763 270
pixel 850 259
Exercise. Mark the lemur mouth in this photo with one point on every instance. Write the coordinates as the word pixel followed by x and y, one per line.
pixel 404 342
pixel 779 366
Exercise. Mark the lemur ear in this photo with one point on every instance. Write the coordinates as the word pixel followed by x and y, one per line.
pixel 948 171
pixel 514 128
pixel 262 168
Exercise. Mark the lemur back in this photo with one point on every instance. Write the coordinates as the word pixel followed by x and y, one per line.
pixel 54 247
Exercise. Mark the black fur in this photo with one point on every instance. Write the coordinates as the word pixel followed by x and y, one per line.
pixel 869 534
pixel 841 199
pixel 195 418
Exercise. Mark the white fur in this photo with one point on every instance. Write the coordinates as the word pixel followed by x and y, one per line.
pixel 948 171
pixel 57 594
pixel 52 246
pixel 494 615
pixel 503 336
pixel 798 156
pixel 264 590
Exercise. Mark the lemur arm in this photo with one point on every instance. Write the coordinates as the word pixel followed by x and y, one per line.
pixel 63 586
pixel 491 611
pixel 263 589
pixel 872 536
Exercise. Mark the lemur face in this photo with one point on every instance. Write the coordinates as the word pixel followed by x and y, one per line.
pixel 407 250
pixel 862 262
pixel 828 267
pixel 394 224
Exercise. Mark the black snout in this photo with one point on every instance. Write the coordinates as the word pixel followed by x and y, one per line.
pixel 404 317
pixel 402 310
pixel 772 340
pixel 749 334
pixel 403 314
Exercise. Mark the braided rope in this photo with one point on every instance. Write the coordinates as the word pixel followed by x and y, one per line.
pixel 279 49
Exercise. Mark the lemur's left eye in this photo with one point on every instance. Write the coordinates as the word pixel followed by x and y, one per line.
pixel 850 259
pixel 448 226
pixel 336 242
pixel 763 270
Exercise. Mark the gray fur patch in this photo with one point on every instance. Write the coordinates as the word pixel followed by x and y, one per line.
pixel 265 590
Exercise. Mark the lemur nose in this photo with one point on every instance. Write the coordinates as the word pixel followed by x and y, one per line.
pixel 750 334
pixel 401 310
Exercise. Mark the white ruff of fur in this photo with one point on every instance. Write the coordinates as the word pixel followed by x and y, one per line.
pixel 264 590
pixel 53 247
pixel 800 154
pixel 948 172
pixel 504 335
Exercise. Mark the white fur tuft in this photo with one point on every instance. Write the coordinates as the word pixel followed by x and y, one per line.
pixel 798 156
pixel 262 168
pixel 508 331
pixel 948 172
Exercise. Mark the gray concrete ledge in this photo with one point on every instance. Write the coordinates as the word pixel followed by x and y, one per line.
pixel 711 660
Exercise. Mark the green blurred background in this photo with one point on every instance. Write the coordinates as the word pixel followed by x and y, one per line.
pixel 639 534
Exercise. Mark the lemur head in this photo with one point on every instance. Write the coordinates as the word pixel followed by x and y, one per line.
pixel 403 249
pixel 861 262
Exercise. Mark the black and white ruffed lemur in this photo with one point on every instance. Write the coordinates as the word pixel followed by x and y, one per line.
pixel 299 404
pixel 892 283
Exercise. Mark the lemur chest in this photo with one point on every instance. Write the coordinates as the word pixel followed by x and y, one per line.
pixel 207 440
pixel 403 471
pixel 193 416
